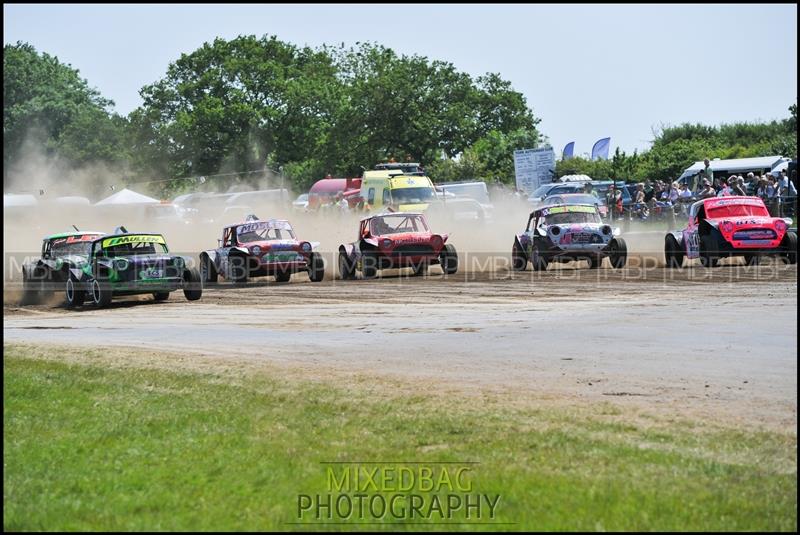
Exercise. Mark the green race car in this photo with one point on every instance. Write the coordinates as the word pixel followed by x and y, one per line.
pixel 46 275
pixel 130 264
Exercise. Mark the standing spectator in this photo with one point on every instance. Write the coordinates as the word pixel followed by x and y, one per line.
pixel 685 197
pixel 761 190
pixel 707 172
pixel 752 183
pixel 614 202
pixel 639 202
pixel 589 189
pixel 787 187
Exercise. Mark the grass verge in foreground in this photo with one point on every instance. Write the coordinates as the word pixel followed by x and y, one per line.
pixel 92 447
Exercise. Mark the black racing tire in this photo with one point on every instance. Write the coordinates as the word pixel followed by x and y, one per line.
pixel 208 271
pixel 518 259
pixel 192 284
pixel 789 244
pixel 161 296
pixel 618 253
pixel 539 257
pixel 101 292
pixel 347 271
pixel 369 265
pixel 707 257
pixel 316 267
pixel 238 268
pixel 448 260
pixel 673 254
pixel 75 293
pixel 595 262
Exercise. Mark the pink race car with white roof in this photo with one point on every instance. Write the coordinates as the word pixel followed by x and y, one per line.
pixel 722 227
pixel 256 248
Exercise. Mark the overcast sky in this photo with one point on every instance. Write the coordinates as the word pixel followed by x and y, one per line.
pixel 587 71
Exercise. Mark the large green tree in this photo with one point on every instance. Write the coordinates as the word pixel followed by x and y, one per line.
pixel 253 102
pixel 48 105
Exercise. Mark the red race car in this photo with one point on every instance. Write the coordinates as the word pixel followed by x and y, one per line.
pixel 258 248
pixel 396 240
pixel 721 227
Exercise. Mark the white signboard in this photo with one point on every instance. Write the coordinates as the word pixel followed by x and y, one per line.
pixel 534 167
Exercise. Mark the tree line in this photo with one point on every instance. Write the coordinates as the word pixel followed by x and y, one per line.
pixel 234 106
pixel 260 103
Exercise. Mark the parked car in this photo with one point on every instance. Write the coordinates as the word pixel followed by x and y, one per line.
pixel 258 248
pixel 560 233
pixel 396 240
pixel 300 204
pixel 721 227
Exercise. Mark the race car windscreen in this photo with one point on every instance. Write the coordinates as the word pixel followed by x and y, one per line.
pixel 74 245
pixel 265 231
pixel 738 210
pixel 134 249
pixel 565 218
pixel 412 195
pixel 395 224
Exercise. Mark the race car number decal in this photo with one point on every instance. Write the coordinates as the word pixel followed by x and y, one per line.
pixel 692 242
pixel 562 209
pixel 151 274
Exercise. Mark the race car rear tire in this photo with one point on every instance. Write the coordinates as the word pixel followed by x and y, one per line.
pixel 283 275
pixel 192 284
pixel 707 257
pixel 101 293
pixel 448 259
pixel 74 292
pixel 161 296
pixel 347 270
pixel 673 254
pixel 539 258
pixel 518 259
pixel 316 271
pixel 239 270
pixel 208 272
pixel 595 262
pixel 618 253
pixel 789 244
pixel 369 266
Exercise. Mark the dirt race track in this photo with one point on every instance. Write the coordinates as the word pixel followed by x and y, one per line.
pixel 711 344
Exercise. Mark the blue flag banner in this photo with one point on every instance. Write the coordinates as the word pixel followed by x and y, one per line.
pixel 600 149
pixel 567 152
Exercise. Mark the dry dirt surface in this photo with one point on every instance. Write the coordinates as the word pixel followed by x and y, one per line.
pixel 715 344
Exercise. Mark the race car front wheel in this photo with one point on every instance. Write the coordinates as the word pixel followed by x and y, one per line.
pixel 192 285
pixel 101 293
pixel 208 272
pixel 75 294
pixel 346 269
pixel 539 258
pixel 448 259
pixel 789 244
pixel 618 253
pixel 673 254
pixel 316 267
pixel 518 259
pixel 161 296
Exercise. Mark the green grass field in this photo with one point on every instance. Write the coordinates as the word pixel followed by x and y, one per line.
pixel 93 447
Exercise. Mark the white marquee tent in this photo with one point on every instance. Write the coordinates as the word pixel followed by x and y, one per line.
pixel 127 196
